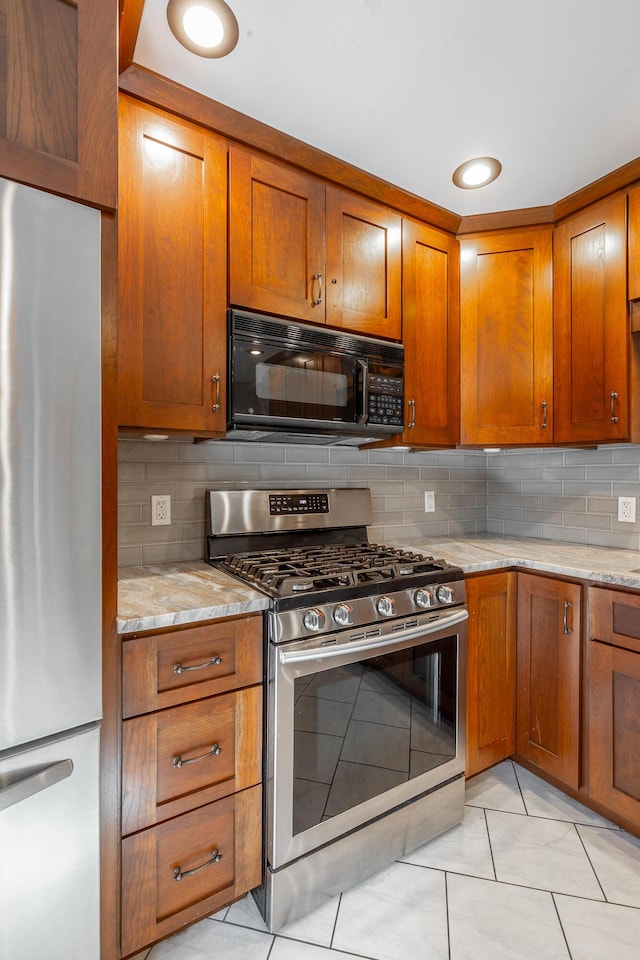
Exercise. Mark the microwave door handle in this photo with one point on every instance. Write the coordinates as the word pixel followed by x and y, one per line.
pixel 364 366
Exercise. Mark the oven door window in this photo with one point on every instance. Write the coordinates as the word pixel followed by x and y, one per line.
pixel 274 381
pixel 367 727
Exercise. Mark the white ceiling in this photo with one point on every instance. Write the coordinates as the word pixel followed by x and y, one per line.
pixel 409 89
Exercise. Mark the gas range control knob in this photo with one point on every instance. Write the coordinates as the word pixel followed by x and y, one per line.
pixel 386 606
pixel 445 594
pixel 423 597
pixel 342 614
pixel 314 620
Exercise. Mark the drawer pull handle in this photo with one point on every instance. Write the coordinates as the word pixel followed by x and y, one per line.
pixel 565 623
pixel 213 752
pixel 543 425
pixel 318 300
pixel 179 874
pixel 215 659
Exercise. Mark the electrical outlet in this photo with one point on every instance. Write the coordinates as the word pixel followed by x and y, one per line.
pixel 627 509
pixel 160 510
pixel 429 501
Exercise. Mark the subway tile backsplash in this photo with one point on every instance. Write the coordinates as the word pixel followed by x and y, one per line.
pixel 550 493
pixel 185 470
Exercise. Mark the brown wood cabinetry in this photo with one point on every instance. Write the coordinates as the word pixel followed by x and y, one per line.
pixel 431 335
pixel 491 670
pixel 506 374
pixel 613 698
pixel 192 765
pixel 310 252
pixel 58 96
pixel 633 280
pixel 591 330
pixel 172 274
pixel 548 675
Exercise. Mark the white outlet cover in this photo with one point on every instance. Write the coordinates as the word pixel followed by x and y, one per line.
pixel 429 501
pixel 626 509
pixel 160 510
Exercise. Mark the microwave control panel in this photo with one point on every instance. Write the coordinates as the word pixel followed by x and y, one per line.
pixel 386 400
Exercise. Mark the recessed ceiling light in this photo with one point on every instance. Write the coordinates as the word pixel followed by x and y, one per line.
pixel 476 173
pixel 205 27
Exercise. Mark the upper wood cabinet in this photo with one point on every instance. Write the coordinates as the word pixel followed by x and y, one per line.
pixel 276 238
pixel 591 335
pixel 431 335
pixel 491 670
pixel 633 282
pixel 58 96
pixel 172 274
pixel 506 338
pixel 310 252
pixel 548 675
pixel 364 265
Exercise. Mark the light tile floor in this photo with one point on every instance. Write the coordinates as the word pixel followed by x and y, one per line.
pixel 529 875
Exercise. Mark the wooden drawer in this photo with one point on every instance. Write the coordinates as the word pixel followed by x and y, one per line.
pixel 155 902
pixel 164 669
pixel 614 617
pixel 171 761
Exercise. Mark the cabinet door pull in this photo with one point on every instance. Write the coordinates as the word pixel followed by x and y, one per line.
pixel 179 874
pixel 544 414
pixel 215 659
pixel 213 752
pixel 614 397
pixel 216 399
pixel 412 414
pixel 565 617
pixel 318 300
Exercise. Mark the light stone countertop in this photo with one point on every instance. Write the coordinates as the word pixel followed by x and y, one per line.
pixel 484 552
pixel 169 594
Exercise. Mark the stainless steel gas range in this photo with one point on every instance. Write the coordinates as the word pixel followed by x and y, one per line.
pixel 364 722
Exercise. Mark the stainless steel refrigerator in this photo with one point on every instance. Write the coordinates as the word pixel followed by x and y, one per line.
pixel 50 576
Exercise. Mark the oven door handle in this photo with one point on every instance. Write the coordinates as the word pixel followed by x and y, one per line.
pixel 388 642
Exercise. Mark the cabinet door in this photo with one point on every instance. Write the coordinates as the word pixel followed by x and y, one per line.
pixel 276 238
pixel 634 244
pixel 58 96
pixel 506 338
pixel 491 670
pixel 172 274
pixel 614 728
pixel 364 265
pixel 548 675
pixel 591 337
pixel 431 335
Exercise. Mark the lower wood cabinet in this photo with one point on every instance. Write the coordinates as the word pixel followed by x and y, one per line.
pixel 491 670
pixel 189 867
pixel 191 819
pixel 613 696
pixel 548 675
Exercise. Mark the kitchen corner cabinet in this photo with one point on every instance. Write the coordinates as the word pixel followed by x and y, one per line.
pixel 58 97
pixel 191 775
pixel 491 670
pixel 591 333
pixel 172 260
pixel 506 339
pixel 548 675
pixel 613 701
pixel 431 335
pixel 310 252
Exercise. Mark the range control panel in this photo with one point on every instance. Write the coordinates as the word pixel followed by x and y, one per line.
pixel 292 503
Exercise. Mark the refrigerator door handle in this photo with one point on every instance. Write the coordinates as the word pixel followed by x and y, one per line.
pixel 15 791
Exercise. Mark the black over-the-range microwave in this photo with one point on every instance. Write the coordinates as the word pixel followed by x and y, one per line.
pixel 298 382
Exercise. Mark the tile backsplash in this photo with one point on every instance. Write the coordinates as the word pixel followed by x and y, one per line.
pixel 398 480
pixel 559 494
